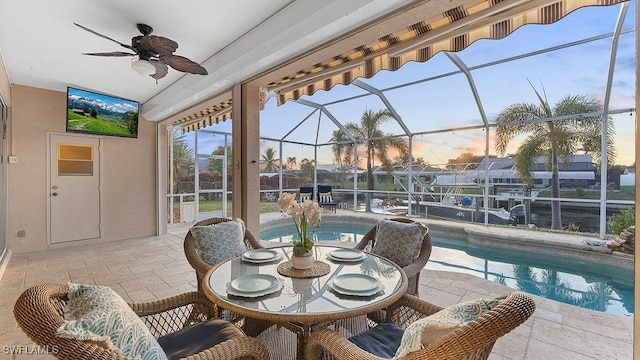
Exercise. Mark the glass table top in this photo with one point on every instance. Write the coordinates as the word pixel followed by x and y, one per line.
pixel 314 295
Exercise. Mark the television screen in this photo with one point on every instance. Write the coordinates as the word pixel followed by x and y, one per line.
pixel 93 113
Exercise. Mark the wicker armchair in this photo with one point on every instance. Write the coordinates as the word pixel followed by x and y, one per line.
pixel 39 312
pixel 413 270
pixel 199 265
pixel 472 341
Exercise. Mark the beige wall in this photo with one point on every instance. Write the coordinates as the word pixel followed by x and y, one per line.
pixel 128 173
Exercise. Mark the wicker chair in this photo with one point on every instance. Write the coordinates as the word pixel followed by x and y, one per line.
pixel 199 265
pixel 39 312
pixel 473 341
pixel 413 270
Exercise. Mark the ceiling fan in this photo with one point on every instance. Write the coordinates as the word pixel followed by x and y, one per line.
pixel 154 54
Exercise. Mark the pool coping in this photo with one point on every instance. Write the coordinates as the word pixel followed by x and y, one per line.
pixel 503 237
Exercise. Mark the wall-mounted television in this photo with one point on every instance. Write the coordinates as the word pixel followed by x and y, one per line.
pixel 100 114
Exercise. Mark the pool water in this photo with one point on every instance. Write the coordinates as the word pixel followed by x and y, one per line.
pixel 585 284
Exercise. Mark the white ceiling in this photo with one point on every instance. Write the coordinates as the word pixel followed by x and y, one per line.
pixel 233 40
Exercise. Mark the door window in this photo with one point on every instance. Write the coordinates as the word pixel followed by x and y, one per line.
pixel 75 160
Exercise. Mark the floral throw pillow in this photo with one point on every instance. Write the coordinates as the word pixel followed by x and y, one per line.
pixel 427 330
pixel 220 241
pixel 399 242
pixel 97 313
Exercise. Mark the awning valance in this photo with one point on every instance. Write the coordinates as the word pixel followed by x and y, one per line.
pixel 213 114
pixel 452 30
pixel 206 117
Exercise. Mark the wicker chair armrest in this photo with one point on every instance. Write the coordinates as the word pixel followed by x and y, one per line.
pixel 410 308
pixel 238 348
pixel 368 240
pixel 170 303
pixel 190 252
pixel 423 257
pixel 174 313
pixel 415 267
pixel 419 305
pixel 250 241
pixel 328 341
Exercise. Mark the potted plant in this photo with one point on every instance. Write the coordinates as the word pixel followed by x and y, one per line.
pixel 303 214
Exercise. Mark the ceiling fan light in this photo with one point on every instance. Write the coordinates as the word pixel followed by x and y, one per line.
pixel 143 67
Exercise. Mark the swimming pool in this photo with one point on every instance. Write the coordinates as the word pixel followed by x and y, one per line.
pixel 586 284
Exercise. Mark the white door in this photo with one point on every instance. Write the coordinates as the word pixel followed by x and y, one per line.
pixel 74 188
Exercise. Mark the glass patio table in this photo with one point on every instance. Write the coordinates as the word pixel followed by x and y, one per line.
pixel 305 303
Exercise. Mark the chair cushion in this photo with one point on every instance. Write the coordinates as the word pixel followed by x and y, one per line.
pixel 99 314
pixel 381 340
pixel 399 242
pixel 427 330
pixel 303 197
pixel 196 338
pixel 220 241
pixel 325 198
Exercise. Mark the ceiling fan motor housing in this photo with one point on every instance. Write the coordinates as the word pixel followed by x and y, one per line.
pixel 145 29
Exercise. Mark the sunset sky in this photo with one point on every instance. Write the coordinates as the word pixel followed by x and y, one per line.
pixel 448 102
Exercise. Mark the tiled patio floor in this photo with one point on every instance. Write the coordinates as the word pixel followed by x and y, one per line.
pixel 155 267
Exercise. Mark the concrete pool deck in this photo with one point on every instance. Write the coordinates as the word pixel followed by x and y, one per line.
pixel 155 267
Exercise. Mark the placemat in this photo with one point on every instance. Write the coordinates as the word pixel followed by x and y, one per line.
pixel 319 268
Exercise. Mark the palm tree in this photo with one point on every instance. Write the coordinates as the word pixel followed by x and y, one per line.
pixel 338 150
pixel 268 160
pixel 291 162
pixel 369 133
pixel 555 140
pixel 182 154
pixel 307 167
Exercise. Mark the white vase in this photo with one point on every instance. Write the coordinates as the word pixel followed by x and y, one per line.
pixel 302 262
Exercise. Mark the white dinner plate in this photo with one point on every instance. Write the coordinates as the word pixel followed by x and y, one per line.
pixel 260 255
pixel 346 254
pixel 331 257
pixel 342 291
pixel 275 288
pixel 254 283
pixel 356 282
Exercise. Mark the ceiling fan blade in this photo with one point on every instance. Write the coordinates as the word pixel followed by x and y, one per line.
pixel 114 53
pixel 159 44
pixel 183 64
pixel 104 36
pixel 161 69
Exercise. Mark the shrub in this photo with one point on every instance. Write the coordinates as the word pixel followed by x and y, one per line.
pixel 580 192
pixel 622 220
pixel 572 227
